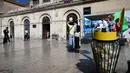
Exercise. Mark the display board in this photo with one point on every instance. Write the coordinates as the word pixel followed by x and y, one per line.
pixel 92 20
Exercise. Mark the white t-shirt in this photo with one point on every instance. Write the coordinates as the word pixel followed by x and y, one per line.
pixel 77 34
pixel 105 23
pixel 26 31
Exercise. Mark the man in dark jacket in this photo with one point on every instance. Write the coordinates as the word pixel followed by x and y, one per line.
pixel 6 36
pixel 77 35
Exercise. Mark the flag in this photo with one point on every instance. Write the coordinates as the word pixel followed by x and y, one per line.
pixel 122 19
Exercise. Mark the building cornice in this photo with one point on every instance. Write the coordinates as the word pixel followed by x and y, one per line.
pixel 47 6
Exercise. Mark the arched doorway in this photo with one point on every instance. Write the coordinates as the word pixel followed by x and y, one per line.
pixel 27 27
pixel 75 19
pixel 45 27
pixel 11 29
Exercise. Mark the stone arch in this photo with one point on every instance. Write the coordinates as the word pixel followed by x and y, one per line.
pixel 26 26
pixel 44 15
pixel 75 11
pixel 45 26
pixel 66 14
pixel 11 25
pixel 11 19
pixel 24 18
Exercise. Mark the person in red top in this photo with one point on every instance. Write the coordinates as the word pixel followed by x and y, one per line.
pixel 117 25
pixel 47 34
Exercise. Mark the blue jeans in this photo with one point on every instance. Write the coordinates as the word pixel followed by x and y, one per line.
pixel 71 41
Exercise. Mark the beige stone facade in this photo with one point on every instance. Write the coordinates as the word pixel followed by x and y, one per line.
pixel 9 6
pixel 57 12
pixel 6 5
pixel 109 6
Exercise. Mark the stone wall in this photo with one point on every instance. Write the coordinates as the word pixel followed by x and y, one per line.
pixel 58 17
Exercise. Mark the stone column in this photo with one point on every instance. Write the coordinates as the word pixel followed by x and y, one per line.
pixel 0 28
pixel 1 5
pixel 40 2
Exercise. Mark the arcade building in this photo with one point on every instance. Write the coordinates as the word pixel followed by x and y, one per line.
pixel 52 15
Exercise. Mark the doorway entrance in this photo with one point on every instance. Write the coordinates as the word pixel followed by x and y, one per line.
pixel 75 19
pixel 27 27
pixel 45 28
pixel 11 29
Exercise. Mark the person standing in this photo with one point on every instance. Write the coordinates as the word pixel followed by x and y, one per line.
pixel 110 21
pixel 47 35
pixel 6 36
pixel 71 31
pixel 7 31
pixel 26 37
pixel 77 34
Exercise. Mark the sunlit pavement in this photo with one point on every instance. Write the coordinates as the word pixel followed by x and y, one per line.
pixel 50 56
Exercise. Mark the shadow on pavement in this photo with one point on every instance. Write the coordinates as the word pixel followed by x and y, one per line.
pixel 84 52
pixel 6 71
pixel 87 39
pixel 86 65
pixel 74 51
pixel 6 50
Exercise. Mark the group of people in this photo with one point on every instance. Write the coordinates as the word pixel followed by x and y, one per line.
pixel 108 24
pixel 7 38
pixel 74 33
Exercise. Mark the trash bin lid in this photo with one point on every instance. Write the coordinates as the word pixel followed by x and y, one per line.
pixel 105 36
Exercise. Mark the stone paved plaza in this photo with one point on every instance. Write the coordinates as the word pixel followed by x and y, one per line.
pixel 51 56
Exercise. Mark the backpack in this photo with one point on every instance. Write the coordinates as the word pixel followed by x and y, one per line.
pixel 78 28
